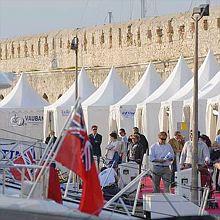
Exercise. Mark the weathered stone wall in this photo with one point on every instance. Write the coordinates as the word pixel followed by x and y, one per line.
pixel 128 46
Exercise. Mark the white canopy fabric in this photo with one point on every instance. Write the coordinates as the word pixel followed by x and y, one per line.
pixel 173 106
pixel 96 107
pixel 211 89
pixel 56 114
pixel 122 113
pixel 146 116
pixel 213 117
pixel 21 111
pixel 5 82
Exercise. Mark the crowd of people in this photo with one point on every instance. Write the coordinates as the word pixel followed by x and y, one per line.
pixel 164 156
pixel 120 148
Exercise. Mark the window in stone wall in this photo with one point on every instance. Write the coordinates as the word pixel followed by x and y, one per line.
pixel 1 97
pixel 218 22
pixel 38 47
pixel 12 50
pixel 45 97
pixel 205 24
pixel 46 47
pixel 84 42
pixel 102 38
pixel 19 50
pixel 110 38
pixel 129 36
pixel 32 50
pixel 61 43
pixel 181 31
pixel 119 37
pixel 0 52
pixel 6 52
pixel 59 96
pixel 170 31
pixel 139 37
pixel 149 34
pixel 159 32
pixel 53 44
pixel 68 46
pixel 192 27
pixel 25 49
pixel 93 39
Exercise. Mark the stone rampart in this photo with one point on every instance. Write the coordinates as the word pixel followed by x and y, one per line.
pixel 128 46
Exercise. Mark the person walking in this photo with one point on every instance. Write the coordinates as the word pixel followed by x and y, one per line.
pixel 96 140
pixel 161 156
pixel 109 180
pixel 135 150
pixel 113 149
pixel 186 154
pixel 51 135
pixel 217 138
pixel 177 144
pixel 143 139
pixel 124 140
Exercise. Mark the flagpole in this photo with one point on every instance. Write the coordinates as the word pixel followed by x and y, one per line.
pixel 54 150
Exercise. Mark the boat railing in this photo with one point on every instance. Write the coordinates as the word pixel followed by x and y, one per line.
pixel 26 182
pixel 11 149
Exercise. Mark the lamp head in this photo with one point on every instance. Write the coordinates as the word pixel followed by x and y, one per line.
pixel 202 10
pixel 75 43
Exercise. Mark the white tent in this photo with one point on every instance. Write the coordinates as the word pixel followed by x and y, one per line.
pixel 56 114
pixel 96 107
pixel 213 116
pixel 171 109
pixel 122 113
pixel 5 81
pixel 146 116
pixel 211 89
pixel 21 111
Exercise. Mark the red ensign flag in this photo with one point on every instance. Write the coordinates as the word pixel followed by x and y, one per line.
pixel 75 153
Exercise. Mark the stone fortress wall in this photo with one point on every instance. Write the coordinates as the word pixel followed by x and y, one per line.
pixel 129 47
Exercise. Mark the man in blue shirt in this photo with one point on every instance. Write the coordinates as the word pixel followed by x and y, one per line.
pixel 161 157
pixel 217 138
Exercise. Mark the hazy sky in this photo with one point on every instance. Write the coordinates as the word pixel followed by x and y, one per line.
pixel 27 17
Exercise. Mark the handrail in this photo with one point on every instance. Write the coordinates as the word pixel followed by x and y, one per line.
pixel 4 166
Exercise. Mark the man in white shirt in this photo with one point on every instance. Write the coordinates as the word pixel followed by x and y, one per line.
pixel 161 156
pixel 186 154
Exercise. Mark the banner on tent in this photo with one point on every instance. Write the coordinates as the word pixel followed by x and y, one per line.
pixel 9 150
pixel 128 114
pixel 18 119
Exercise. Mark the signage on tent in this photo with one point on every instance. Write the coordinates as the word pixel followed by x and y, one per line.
pixel 65 112
pixel 19 121
pixel 128 114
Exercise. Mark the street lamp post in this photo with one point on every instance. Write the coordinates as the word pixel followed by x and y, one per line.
pixel 198 13
pixel 74 46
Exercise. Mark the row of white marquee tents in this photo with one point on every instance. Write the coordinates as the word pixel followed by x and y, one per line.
pixel 151 105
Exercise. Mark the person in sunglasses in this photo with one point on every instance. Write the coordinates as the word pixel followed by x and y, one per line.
pixel 161 156
pixel 96 140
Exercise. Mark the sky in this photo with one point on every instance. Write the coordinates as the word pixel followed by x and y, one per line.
pixel 29 17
